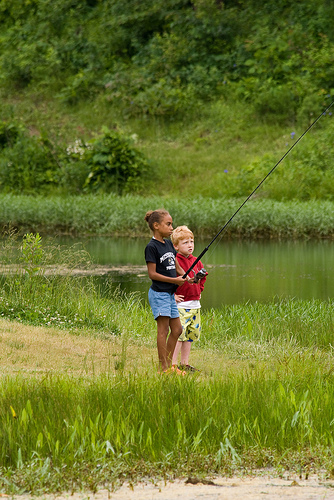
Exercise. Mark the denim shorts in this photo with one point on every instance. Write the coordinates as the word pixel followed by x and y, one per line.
pixel 163 304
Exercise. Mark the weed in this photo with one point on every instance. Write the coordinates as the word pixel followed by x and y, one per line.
pixel 124 216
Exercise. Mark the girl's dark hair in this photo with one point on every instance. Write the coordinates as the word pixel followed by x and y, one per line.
pixel 153 216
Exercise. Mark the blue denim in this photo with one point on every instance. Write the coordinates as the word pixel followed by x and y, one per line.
pixel 163 304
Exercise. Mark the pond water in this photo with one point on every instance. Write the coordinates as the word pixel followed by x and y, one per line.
pixel 238 270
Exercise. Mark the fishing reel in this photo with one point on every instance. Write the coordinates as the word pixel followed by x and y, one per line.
pixel 200 274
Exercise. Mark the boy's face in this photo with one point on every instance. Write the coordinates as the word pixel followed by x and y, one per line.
pixel 185 247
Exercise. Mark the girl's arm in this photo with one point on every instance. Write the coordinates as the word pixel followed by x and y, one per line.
pixel 153 275
pixel 182 272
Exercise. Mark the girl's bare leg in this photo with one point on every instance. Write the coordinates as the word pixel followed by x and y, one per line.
pixel 163 329
pixel 166 344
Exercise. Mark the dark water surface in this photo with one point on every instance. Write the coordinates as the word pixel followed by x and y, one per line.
pixel 238 270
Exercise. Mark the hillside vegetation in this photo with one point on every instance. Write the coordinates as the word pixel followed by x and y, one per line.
pixel 175 96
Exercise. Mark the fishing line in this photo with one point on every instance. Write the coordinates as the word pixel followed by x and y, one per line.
pixel 254 190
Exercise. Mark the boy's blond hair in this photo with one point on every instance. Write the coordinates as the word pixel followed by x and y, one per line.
pixel 181 233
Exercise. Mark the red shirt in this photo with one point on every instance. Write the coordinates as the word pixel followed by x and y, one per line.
pixel 190 291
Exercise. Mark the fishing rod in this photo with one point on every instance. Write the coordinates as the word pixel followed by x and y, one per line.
pixel 257 187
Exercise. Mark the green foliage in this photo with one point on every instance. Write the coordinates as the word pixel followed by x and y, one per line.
pixel 61 434
pixel 161 98
pixel 32 254
pixel 124 215
pixel 285 68
pixel 166 53
pixel 30 164
pixel 81 86
pixel 27 164
pixel 149 69
pixel 307 173
pixel 115 165
pixel 46 292
pixel 9 133
pixel 74 167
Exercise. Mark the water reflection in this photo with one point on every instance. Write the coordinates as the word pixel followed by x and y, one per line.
pixel 238 270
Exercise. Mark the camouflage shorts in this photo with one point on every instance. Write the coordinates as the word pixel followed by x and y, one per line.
pixel 191 324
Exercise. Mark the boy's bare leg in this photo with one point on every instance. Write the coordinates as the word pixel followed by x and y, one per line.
pixel 185 352
pixel 177 350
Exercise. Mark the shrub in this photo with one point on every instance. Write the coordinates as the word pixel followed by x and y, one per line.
pixel 9 133
pixel 115 165
pixel 81 86
pixel 35 164
pixel 75 168
pixel 29 166
pixel 163 98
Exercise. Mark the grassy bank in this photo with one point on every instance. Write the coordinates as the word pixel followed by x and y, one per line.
pixel 257 403
pixel 112 215
pixel 97 433
pixel 82 405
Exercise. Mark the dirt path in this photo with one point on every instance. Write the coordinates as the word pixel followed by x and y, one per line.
pixel 237 488
pixel 231 489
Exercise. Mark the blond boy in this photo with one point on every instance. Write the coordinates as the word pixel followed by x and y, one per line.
pixel 187 297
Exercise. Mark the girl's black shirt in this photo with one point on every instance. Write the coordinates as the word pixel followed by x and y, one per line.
pixel 163 255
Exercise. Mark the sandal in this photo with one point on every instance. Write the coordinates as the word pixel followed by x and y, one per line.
pixel 189 368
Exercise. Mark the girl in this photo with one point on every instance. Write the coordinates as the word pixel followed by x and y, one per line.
pixel 163 270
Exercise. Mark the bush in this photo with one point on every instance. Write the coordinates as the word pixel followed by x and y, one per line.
pixel 163 98
pixel 9 133
pixel 115 165
pixel 275 54
pixel 81 86
pixel 75 168
pixel 29 166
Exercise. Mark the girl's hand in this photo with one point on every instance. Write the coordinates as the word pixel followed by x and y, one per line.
pixel 178 298
pixel 180 281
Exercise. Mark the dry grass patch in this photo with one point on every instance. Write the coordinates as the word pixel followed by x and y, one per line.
pixel 33 349
pixel 36 349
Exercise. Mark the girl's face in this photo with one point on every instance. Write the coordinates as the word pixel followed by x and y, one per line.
pixel 185 247
pixel 164 228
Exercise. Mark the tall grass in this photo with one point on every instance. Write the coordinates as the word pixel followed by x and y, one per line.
pixel 113 215
pixel 286 322
pixel 270 405
pixel 112 428
pixel 47 291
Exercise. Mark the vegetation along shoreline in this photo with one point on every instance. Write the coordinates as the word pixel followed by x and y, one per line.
pixel 112 215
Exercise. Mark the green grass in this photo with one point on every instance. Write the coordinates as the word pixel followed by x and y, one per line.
pixel 264 397
pixel 99 432
pixel 112 215
pixel 222 149
pixel 299 323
